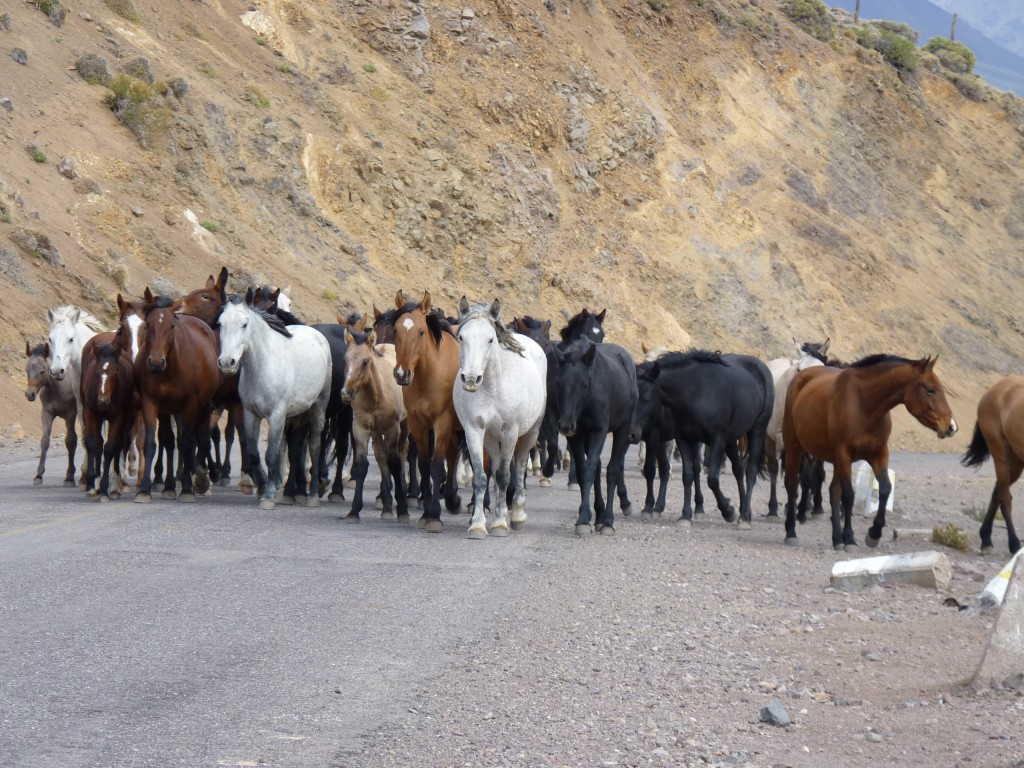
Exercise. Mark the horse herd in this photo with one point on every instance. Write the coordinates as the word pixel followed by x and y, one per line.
pixel 425 388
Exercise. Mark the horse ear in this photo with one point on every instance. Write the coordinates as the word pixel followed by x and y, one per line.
pixel 76 316
pixel 46 349
pixel 49 315
pixel 463 306
pixel 931 362
pixel 495 310
pixel 222 278
pixel 250 296
pixel 28 350
pixel 147 295
pixel 399 299
pixel 361 325
pixel 223 294
pixel 121 304
pixel 211 283
pixel 349 338
pixel 824 345
pixel 644 348
pixel 376 313
pixel 546 327
pixel 371 339
pixel 601 314
pixel 425 304
pixel 589 355
pixel 649 372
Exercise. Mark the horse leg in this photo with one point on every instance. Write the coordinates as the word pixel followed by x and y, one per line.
pixel 188 428
pixel 841 494
pixel 577 448
pixel 716 452
pixel 44 446
pixel 503 469
pixel 881 469
pixel 111 451
pixel 791 458
pixel 817 481
pixel 651 464
pixel 93 450
pixel 771 455
pixel 360 466
pixel 664 462
pixel 691 463
pixel 143 495
pixel 517 509
pixel 452 501
pixel 215 464
pixel 274 459
pixel 202 450
pixel 229 441
pixel 739 468
pixel 294 439
pixel 698 465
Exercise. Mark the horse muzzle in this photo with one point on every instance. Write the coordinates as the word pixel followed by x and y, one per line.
pixel 403 376
pixel 103 401
pixel 228 367
pixel 471 383
pixel 347 396
pixel 949 431
pixel 30 395
pixel 156 366
pixel 58 375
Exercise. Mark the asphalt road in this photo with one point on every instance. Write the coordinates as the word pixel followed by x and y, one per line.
pixel 216 634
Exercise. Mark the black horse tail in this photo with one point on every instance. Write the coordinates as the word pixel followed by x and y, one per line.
pixel 977 451
pixel 762 461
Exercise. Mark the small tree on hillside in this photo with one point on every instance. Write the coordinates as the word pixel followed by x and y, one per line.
pixel 811 16
pixel 956 57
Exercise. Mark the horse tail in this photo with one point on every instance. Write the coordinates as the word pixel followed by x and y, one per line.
pixel 977 451
pixel 762 461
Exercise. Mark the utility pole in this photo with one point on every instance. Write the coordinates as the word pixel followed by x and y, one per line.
pixel 856 13
pixel 952 29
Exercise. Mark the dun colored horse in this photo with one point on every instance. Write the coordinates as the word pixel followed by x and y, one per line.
pixel 58 400
pixel 841 415
pixel 426 365
pixel 379 415
pixel 999 433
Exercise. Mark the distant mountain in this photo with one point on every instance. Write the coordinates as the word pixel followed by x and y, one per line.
pixel 999 66
pixel 1000 20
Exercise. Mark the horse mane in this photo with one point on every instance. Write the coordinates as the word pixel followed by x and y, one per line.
pixel 85 316
pixel 692 356
pixel 864 362
pixel 159 302
pixel 38 350
pixel 353 317
pixel 265 293
pixel 575 323
pixel 505 337
pixel 275 322
pixel 533 323
pixel 436 321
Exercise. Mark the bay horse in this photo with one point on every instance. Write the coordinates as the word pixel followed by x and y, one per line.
pixel 717 399
pixel 108 396
pixel 176 375
pixel 284 376
pixel 999 433
pixel 58 401
pixel 379 415
pixel 426 366
pixel 70 328
pixel 597 391
pixel 499 396
pixel 842 415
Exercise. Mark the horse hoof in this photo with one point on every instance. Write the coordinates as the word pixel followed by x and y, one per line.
pixel 403 519
pixel 729 515
pixel 683 522
pixel 772 514
pixel 851 548
pixel 433 525
pixel 387 514
pixel 351 518
pixel 267 503
pixel 646 516
pixel 422 522
pixel 573 486
pixel 792 541
pixel 517 524
pixel 143 498
pixel 500 531
pixel 187 498
pixel 815 515
pixel 157 487
pixel 312 501
pixel 538 473
pixel 477 533
pixel 986 548
pixel 870 540
pixel 286 501
pixel 627 510
pixel 743 525
pixel 168 494
pixel 91 492
pixel 39 481
pixel 67 483
pixel 378 503
pixel 202 482
pixel 335 498
pixel 104 499
pixel 455 510
pixel 545 482
pixel 607 530
pixel 113 495
pixel 582 530
pixel 223 481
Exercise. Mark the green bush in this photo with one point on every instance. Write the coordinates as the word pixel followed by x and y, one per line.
pixel 899 28
pixel 138 107
pixel 125 9
pixel 811 16
pixel 896 49
pixel 956 57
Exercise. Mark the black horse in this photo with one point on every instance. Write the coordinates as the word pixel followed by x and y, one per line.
pixel 654 425
pixel 596 392
pixel 547 440
pixel 716 399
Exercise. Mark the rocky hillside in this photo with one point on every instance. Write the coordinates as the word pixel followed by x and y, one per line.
pixel 703 168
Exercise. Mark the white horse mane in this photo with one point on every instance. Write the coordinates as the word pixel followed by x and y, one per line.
pixel 65 313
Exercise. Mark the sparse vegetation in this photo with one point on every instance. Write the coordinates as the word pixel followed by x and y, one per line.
pixel 329 294
pixel 971 86
pixel 255 96
pixel 207 70
pixel 192 30
pixel 5 218
pixel 261 40
pixel 657 5
pixel 951 536
pixel 93 69
pixel 956 57
pixel 37 154
pixel 125 9
pixel 811 16
pixel 209 226
pixel 53 9
pixel 380 94
pixel 895 48
pixel 138 107
pixel 116 270
pixel 369 67
pixel 284 69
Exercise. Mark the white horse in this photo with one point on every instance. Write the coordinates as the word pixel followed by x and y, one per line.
pixel 70 328
pixel 284 376
pixel 784 370
pixel 499 396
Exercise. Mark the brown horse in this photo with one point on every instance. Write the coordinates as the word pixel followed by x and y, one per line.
pixel 108 395
pixel 999 433
pixel 426 364
pixel 379 415
pixel 176 374
pixel 841 415
pixel 58 400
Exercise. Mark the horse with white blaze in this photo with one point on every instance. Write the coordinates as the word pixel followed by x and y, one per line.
pixel 499 395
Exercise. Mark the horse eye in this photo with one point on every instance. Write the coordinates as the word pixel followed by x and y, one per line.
pixel 206 297
pixel 490 341
pixel 930 390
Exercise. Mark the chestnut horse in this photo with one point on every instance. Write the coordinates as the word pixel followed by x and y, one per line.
pixel 999 433
pixel 426 364
pixel 176 374
pixel 841 415
pixel 108 395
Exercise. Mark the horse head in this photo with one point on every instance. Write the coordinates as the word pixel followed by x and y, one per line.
pixel 585 324
pixel 925 398
pixel 205 302
pixel 648 406
pixel 106 365
pixel 161 321
pixel 36 370
pixel 575 375
pixel 131 319
pixel 411 331
pixel 63 339
pixel 358 357
pixel 235 319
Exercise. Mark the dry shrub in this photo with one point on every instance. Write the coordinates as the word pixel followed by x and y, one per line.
pixel 139 108
pixel 951 536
